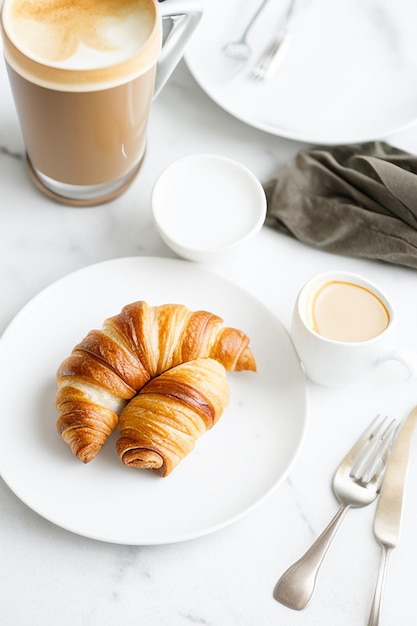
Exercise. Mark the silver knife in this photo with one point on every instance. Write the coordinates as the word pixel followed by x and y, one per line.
pixel 388 516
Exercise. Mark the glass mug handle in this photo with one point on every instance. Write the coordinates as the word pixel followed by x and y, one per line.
pixel 185 16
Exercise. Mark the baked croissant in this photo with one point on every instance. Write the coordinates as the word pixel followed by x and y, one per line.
pixel 109 366
pixel 161 425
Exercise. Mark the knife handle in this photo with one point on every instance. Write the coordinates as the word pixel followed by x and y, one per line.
pixel 379 588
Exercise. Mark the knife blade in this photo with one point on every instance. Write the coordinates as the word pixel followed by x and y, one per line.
pixel 390 507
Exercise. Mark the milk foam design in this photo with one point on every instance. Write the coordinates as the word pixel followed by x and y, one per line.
pixel 84 34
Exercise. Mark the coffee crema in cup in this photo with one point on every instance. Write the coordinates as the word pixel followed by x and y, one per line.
pixel 82 74
pixel 345 311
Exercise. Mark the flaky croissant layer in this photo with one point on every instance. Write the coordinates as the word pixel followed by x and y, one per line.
pixel 161 425
pixel 110 366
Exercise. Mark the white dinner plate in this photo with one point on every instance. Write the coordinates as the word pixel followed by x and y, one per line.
pixel 233 467
pixel 348 76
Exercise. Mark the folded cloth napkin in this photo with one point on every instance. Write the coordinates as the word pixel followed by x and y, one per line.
pixel 356 200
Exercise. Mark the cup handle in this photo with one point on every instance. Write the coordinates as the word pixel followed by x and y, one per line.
pixel 185 16
pixel 407 358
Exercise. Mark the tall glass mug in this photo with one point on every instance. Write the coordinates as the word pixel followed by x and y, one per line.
pixel 83 75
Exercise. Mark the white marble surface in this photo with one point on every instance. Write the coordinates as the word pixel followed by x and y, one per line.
pixel 50 576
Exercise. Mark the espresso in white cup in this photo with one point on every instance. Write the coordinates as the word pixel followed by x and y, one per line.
pixel 343 326
pixel 83 76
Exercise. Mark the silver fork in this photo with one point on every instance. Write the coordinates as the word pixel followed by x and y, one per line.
pixel 356 483
pixel 276 50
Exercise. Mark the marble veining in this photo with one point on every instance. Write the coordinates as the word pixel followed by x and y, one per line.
pixel 51 576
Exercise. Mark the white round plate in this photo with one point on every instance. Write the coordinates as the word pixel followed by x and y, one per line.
pixel 348 76
pixel 233 467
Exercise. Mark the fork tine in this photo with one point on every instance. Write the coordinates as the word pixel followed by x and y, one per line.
pixel 370 459
pixel 259 71
pixel 296 586
pixel 372 434
pixel 376 470
pixel 271 57
pixel 351 456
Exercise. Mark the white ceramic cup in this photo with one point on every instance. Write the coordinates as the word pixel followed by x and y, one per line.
pixel 332 362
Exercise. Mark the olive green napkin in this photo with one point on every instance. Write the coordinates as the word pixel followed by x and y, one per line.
pixel 356 200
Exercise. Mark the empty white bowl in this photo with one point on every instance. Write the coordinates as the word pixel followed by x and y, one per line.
pixel 205 206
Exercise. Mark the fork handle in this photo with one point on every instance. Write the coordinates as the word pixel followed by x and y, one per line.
pixel 379 588
pixel 296 586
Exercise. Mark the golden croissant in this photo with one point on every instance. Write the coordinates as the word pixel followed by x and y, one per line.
pixel 161 425
pixel 110 366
